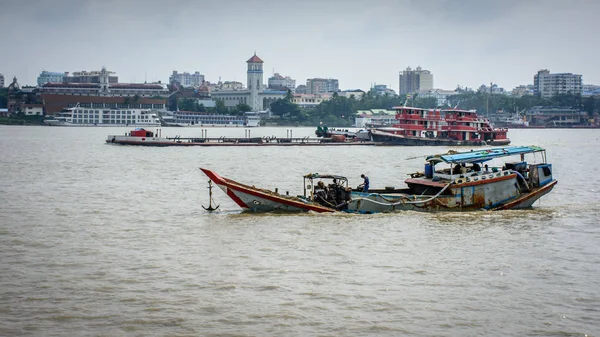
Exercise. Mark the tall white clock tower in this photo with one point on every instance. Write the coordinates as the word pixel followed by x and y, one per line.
pixel 255 81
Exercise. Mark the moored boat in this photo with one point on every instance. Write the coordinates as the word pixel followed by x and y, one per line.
pixel 82 116
pixel 452 127
pixel 336 133
pixel 462 184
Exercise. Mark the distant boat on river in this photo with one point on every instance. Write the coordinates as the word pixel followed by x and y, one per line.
pixel 435 127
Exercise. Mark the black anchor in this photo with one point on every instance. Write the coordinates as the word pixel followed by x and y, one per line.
pixel 210 199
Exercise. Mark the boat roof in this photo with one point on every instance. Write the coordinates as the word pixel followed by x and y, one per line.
pixel 388 128
pixel 324 176
pixel 483 155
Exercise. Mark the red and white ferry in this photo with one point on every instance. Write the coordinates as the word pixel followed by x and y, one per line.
pixel 439 127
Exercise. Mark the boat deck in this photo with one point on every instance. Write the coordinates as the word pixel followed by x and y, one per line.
pixel 228 141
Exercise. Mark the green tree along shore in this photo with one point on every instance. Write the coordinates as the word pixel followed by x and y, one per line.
pixel 190 104
pixel 340 111
pixel 3 98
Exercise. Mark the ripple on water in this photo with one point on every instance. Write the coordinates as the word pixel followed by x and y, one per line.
pixel 103 248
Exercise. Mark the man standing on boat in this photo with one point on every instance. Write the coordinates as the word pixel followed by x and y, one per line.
pixel 365 184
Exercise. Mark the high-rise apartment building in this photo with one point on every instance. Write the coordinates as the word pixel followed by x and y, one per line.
pixel 321 85
pixel 278 81
pixel 548 85
pixel 415 80
pixel 1 81
pixel 186 79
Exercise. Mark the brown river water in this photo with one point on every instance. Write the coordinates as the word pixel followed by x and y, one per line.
pixel 109 240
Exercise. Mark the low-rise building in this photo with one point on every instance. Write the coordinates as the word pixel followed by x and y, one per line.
pixel 101 86
pixel 522 90
pixel 590 90
pixel 231 85
pixel 382 90
pixel 301 89
pixel 117 89
pixel 90 76
pixel 356 93
pixel 277 81
pixel 440 95
pixel 32 109
pixel 374 118
pixel 492 88
pixel 310 100
pixel 553 116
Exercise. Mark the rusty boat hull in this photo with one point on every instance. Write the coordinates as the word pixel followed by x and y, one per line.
pixel 251 198
pixel 463 197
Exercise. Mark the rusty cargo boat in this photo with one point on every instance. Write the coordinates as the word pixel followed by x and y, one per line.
pixel 468 181
pixel 454 181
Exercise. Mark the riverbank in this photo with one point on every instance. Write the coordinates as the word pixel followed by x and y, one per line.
pixel 21 120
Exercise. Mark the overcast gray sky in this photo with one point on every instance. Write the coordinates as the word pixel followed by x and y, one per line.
pixel 359 42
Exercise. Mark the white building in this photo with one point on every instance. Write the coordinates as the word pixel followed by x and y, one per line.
pixel 1 81
pixel 256 96
pixel 553 116
pixel 374 117
pixel 310 100
pixel 33 109
pixel 548 85
pixel 590 90
pixel 231 85
pixel 50 77
pixel 356 93
pixel 278 81
pixel 522 90
pixel 93 76
pixel 186 79
pixel 493 89
pixel 382 90
pixel 439 94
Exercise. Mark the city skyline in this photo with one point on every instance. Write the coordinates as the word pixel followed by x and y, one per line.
pixel 465 43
